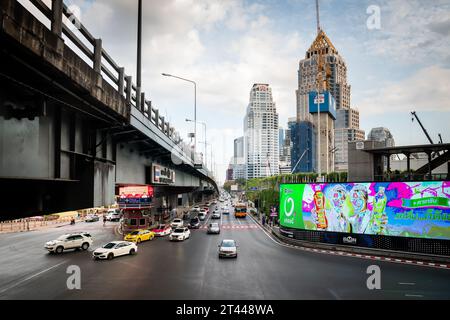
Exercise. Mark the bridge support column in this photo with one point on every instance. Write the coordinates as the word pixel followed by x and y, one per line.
pixel 57 13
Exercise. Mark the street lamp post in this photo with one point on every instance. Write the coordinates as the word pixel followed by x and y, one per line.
pixel 195 104
pixel 139 56
pixel 204 126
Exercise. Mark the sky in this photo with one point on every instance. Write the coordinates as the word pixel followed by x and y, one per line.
pixel 226 46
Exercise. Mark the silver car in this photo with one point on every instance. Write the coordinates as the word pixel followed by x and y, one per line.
pixel 228 248
pixel 213 228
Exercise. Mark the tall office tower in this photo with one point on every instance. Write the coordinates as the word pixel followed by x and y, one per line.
pixel 303 154
pixel 285 146
pixel 237 162
pixel 261 133
pixel 336 84
pixel 239 147
pixel 347 129
pixel 382 135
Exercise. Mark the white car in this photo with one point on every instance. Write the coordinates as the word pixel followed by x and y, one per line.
pixel 113 215
pixel 70 241
pixel 177 223
pixel 115 249
pixel 180 234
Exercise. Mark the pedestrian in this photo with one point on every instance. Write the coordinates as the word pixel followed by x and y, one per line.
pixel 104 220
pixel 263 220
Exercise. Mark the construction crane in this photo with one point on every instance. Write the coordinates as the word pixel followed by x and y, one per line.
pixel 421 125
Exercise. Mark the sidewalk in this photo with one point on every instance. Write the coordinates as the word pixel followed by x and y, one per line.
pixel 25 225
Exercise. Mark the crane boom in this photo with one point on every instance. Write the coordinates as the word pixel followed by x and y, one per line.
pixel 423 128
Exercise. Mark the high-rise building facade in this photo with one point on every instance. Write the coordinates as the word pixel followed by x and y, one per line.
pixel 239 147
pixel 334 133
pixel 382 135
pixel 261 147
pixel 303 155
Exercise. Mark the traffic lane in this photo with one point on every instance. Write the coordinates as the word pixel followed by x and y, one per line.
pixel 397 280
pixel 161 270
pixel 23 255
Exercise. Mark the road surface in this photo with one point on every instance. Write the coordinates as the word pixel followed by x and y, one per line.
pixel 191 269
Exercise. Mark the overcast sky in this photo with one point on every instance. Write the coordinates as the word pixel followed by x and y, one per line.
pixel 227 46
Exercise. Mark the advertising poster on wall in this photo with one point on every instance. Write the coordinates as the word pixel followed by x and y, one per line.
pixel 402 209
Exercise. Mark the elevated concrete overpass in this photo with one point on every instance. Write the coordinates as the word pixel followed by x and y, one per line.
pixel 73 126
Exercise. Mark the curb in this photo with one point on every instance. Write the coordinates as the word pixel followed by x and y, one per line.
pixel 368 256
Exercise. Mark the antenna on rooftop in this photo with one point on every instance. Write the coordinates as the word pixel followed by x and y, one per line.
pixel 318 16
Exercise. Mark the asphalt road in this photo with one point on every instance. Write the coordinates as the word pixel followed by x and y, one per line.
pixel 191 269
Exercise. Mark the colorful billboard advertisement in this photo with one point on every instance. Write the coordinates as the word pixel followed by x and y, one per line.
pixel 135 197
pixel 401 209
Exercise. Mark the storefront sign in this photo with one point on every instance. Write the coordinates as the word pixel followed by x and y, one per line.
pixel 162 175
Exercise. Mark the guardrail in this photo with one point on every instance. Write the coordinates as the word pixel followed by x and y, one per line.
pixel 103 63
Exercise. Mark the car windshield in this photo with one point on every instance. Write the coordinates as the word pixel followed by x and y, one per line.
pixel 214 225
pixel 228 244
pixel 109 245
pixel 134 233
pixel 177 220
pixel 179 230
pixel 62 237
pixel 194 220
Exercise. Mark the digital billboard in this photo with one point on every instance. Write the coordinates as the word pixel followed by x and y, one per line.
pixel 402 209
pixel 135 197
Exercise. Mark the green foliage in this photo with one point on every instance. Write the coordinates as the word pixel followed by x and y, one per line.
pixel 267 192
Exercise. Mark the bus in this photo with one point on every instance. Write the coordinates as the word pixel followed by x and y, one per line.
pixel 240 210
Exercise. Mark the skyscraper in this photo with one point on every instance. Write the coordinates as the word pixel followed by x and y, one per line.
pixel 334 133
pixel 261 133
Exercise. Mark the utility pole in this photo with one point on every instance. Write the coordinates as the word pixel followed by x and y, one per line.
pixel 139 57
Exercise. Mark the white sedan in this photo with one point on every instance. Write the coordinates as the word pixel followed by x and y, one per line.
pixel 177 223
pixel 115 249
pixel 180 234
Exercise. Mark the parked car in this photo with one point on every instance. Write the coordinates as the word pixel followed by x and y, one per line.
pixel 180 234
pixel 228 248
pixel 194 223
pixel 115 249
pixel 70 241
pixel 196 208
pixel 213 228
pixel 177 223
pixel 140 235
pixel 225 211
pixel 92 218
pixel 206 209
pixel 202 216
pixel 162 230
pixel 113 215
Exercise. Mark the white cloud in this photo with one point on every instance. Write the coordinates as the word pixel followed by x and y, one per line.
pixel 425 90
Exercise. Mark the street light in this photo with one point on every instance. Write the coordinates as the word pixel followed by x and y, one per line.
pixel 195 104
pixel 204 125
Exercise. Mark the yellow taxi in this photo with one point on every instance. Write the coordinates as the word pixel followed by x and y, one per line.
pixel 139 236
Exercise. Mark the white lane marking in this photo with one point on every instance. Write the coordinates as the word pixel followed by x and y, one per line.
pixel 33 276
pixel 414 295
pixel 407 283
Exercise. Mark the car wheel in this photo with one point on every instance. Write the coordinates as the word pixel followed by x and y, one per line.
pixel 59 250
pixel 132 252
pixel 85 246
pixel 110 256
